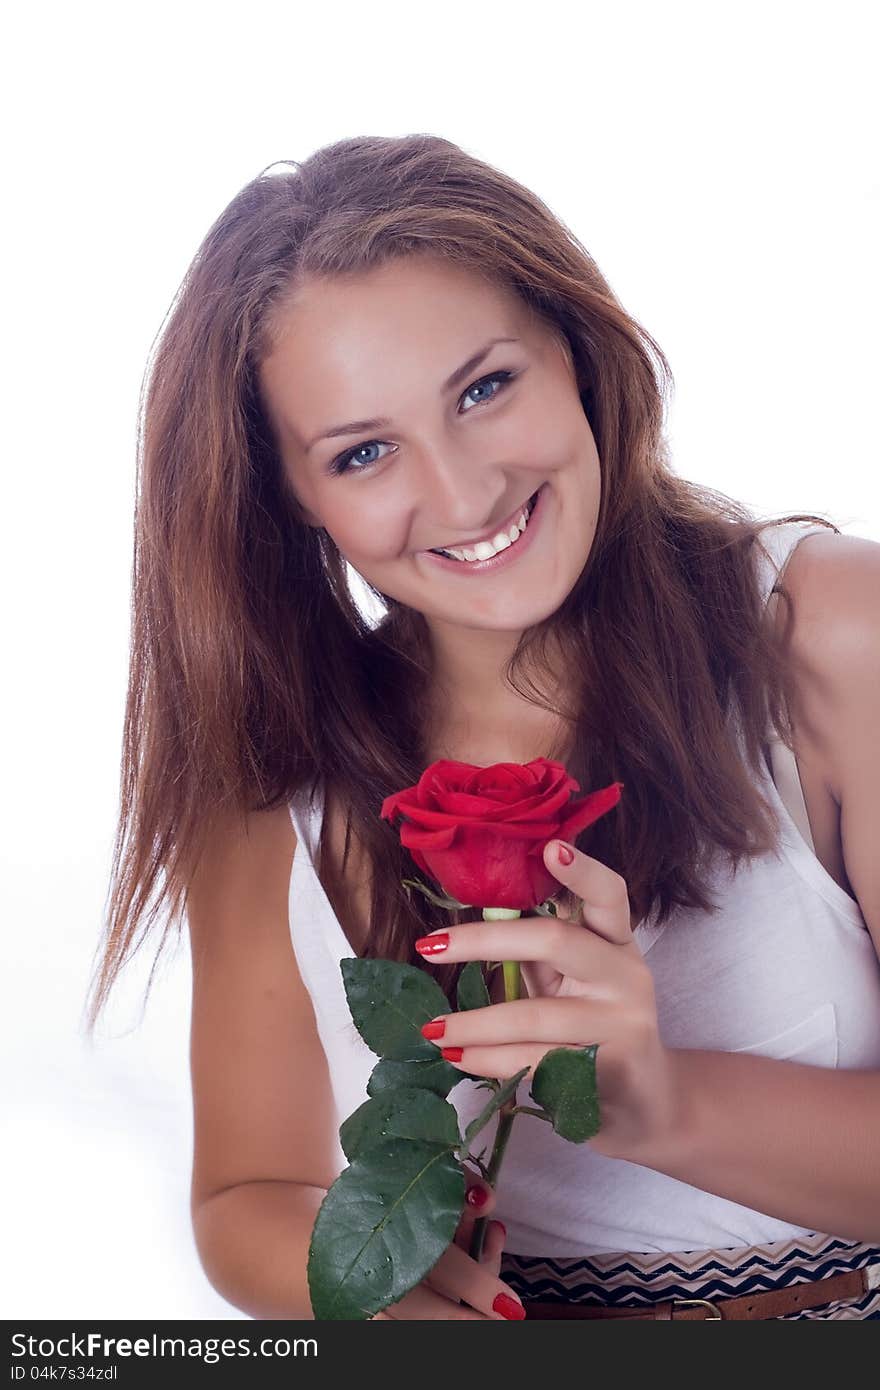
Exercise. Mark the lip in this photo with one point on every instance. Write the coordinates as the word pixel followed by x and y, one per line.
pixel 505 557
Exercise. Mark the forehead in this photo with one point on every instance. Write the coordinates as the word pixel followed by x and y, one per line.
pixel 339 344
pixel 392 299
pixel 414 310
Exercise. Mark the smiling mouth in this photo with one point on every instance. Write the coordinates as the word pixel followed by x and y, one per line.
pixel 528 507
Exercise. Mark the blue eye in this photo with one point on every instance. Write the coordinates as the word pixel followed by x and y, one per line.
pixel 342 463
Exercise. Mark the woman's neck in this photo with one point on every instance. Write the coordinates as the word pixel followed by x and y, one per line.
pixel 518 733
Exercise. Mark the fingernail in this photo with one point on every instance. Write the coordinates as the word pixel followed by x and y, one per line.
pixel 508 1307
pixel 564 852
pixel 451 1054
pixel 477 1196
pixel 502 1228
pixel 430 945
pixel 435 1029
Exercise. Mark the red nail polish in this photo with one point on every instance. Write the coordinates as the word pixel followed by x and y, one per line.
pixel 435 1029
pixel 451 1054
pixel 477 1196
pixel 508 1307
pixel 430 945
pixel 565 853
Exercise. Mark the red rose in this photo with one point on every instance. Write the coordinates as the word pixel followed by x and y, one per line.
pixel 480 832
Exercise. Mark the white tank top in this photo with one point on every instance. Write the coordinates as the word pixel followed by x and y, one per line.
pixel 786 968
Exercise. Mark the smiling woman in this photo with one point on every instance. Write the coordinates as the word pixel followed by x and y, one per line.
pixel 426 310
pixel 458 471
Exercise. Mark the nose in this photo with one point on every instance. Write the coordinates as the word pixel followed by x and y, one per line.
pixel 457 497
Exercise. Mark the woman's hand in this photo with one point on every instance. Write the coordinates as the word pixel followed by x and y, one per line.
pixel 456 1275
pixel 587 982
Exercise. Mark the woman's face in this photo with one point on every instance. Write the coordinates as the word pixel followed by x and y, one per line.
pixel 426 464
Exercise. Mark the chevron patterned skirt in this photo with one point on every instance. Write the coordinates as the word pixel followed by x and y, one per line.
pixel 640 1280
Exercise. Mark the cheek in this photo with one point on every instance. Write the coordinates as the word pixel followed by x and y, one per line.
pixel 374 535
pixel 555 442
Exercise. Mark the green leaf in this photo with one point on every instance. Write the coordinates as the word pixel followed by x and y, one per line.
pixel 430 1073
pixel 400 1114
pixel 472 992
pixel 382 1227
pixel 501 1095
pixel 389 1001
pixel 564 1083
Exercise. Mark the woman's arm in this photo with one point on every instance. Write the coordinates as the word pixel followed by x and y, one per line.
pixel 265 1126
pixel 798 1142
pixel 253 1243
pixel 264 1122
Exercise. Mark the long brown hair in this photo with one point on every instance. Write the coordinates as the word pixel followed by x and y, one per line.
pixel 253 672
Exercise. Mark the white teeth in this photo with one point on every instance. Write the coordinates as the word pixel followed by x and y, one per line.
pixel 486 549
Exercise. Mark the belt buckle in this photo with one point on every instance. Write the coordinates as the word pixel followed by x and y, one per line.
pixel 692 1302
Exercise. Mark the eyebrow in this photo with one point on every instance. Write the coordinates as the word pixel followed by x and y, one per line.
pixel 382 422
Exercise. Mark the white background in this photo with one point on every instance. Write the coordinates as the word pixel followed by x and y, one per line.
pixel 719 163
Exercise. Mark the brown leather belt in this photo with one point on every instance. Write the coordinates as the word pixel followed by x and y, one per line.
pixel 770 1303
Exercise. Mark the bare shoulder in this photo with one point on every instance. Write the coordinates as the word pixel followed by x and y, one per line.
pixel 262 1098
pixel 829 558
pixel 833 583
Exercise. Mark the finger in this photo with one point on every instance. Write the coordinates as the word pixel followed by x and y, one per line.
pixel 424 1302
pixel 493 1247
pixel 606 907
pixel 479 1201
pixel 453 1283
pixel 562 1019
pixel 505 1061
pixel 573 948
pixel 458 1276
